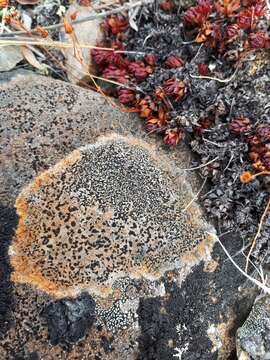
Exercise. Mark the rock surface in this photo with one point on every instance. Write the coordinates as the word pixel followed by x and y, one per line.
pixel 253 338
pixel 42 120
pixel 10 56
pixel 191 312
pixel 106 211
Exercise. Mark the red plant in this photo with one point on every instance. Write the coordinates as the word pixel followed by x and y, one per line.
pixel 227 7
pixel 126 96
pixel 260 9
pixel 263 132
pixel 247 3
pixel 146 106
pixel 153 124
pixel 203 125
pixel 240 125
pixel 166 5
pixel 172 137
pixel 245 19
pixel 150 59
pixel 114 73
pixel 232 32
pixel 203 69
pixel 210 34
pixel 115 24
pixel 259 40
pixel 160 94
pixel 139 70
pixel 266 160
pixel 105 57
pixel 197 15
pixel 174 62
pixel 253 140
pixel 204 33
pixel 248 18
pixel 175 88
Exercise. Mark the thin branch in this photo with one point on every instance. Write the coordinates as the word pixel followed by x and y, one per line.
pixel 213 143
pixel 37 42
pixel 227 166
pixel 196 196
pixel 257 233
pixel 214 78
pixel 256 282
pixel 202 165
pixel 91 17
pixel 130 52
pixel 115 82
pixel 197 52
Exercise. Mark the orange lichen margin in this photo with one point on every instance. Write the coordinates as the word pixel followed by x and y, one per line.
pixel 23 270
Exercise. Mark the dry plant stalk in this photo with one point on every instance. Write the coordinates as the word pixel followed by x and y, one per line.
pixel 91 17
pixel 37 42
pixel 260 284
pixel 257 233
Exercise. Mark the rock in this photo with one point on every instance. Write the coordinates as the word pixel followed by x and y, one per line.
pixel 193 310
pixel 106 211
pixel 53 120
pixel 69 320
pixel 10 56
pixel 253 338
pixel 87 33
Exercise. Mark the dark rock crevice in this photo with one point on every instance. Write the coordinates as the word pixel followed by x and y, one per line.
pixel 8 223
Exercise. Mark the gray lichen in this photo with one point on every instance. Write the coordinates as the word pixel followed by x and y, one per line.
pixel 108 210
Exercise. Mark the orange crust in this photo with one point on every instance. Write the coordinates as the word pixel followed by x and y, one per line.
pixel 24 270
pixel 27 272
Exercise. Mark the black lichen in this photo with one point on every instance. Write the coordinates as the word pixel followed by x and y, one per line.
pixel 69 320
pixel 8 222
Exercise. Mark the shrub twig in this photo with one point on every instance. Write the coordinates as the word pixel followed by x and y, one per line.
pixel 254 281
pixel 257 233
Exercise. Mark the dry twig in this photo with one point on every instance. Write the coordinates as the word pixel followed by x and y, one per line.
pixel 38 42
pixel 257 233
pixel 214 78
pixel 91 17
pixel 195 197
pixel 261 285
pixel 202 165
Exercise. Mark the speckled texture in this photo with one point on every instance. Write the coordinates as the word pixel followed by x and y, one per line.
pixel 253 338
pixel 107 210
pixel 41 122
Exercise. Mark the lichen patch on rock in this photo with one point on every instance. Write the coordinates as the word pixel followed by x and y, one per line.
pixel 108 210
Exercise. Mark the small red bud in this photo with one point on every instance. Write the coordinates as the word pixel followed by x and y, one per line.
pixel 172 137
pixel 174 62
pixel 203 69
pixel 240 125
pixel 150 59
pixel 126 96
